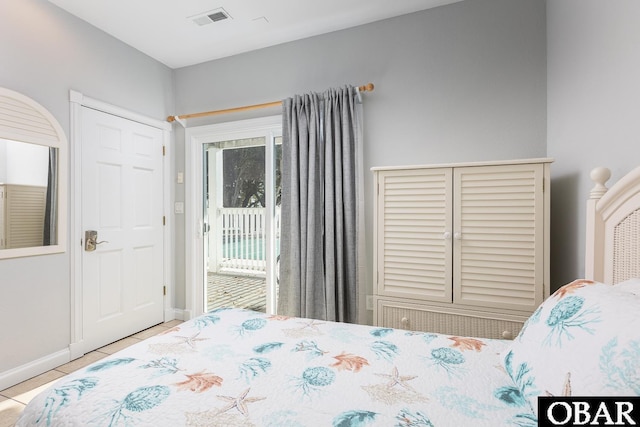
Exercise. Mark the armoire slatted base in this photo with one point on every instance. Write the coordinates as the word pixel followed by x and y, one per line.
pixel 445 320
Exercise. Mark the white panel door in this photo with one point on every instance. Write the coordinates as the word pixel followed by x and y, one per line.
pixel 122 200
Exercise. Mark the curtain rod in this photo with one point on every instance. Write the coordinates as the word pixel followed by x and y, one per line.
pixel 364 88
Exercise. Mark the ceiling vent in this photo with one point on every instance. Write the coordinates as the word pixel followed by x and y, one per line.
pixel 215 15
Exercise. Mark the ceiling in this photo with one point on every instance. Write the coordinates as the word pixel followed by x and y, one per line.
pixel 178 32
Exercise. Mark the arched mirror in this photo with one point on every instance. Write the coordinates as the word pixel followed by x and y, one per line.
pixel 33 178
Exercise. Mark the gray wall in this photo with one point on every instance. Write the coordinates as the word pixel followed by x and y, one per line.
pixel 593 112
pixel 45 52
pixel 462 82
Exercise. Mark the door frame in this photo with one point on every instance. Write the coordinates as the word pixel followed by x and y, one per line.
pixel 77 102
pixel 195 138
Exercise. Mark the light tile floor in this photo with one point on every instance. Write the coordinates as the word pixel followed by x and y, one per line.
pixel 14 399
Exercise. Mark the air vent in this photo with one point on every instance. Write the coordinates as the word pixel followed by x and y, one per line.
pixel 211 16
pixel 218 16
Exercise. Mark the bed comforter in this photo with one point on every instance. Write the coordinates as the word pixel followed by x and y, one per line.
pixel 242 368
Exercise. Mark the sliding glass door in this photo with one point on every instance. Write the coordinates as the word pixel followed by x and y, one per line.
pixel 241 201
pixel 233 192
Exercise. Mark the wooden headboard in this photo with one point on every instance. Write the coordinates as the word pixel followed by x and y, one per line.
pixel 612 252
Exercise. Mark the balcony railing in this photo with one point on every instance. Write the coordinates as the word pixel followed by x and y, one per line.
pixel 238 240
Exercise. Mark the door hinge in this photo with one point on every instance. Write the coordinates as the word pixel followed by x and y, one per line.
pixel 164 220
pixel 544 182
pixel 164 290
pixel 164 151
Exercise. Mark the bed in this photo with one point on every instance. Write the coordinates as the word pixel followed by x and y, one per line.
pixel 234 367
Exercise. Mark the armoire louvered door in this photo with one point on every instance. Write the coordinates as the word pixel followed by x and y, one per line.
pixel 498 236
pixel 415 253
pixel 22 213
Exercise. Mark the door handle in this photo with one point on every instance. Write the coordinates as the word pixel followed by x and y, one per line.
pixel 91 240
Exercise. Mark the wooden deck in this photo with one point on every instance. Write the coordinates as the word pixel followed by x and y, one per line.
pixel 227 290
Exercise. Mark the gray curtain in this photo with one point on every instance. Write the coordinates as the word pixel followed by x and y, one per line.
pixel 320 206
pixel 51 207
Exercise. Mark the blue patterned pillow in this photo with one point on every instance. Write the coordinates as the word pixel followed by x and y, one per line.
pixel 584 340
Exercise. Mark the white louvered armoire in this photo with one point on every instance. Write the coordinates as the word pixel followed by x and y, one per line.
pixel 22 214
pixel 461 249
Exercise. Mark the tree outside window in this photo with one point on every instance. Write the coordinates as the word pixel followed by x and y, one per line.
pixel 243 177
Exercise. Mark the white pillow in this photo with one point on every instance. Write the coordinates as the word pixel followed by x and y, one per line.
pixel 584 340
pixel 631 285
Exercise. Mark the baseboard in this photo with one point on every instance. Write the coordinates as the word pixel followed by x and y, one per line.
pixel 29 370
pixel 76 350
pixel 175 314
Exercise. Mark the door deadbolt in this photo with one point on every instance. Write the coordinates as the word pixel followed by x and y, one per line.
pixel 91 240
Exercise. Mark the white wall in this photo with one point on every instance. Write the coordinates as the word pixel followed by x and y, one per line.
pixel 462 82
pixel 44 53
pixel 24 164
pixel 593 111
pixel 3 161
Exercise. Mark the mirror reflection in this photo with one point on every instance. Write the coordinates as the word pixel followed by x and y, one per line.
pixel 28 195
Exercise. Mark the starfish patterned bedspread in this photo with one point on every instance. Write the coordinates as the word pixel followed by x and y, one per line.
pixel 236 367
